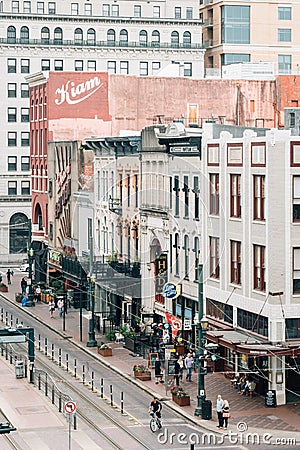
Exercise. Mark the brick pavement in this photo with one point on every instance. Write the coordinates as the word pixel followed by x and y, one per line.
pixel 249 410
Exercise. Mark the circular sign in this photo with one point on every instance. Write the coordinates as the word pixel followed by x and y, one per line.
pixel 70 407
pixel 169 290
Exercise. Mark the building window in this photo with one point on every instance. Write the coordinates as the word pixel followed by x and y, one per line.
pixel 27 7
pixel 74 9
pixel 284 64
pixel 25 163
pixel 295 154
pixel 12 114
pixel 214 194
pixel 259 268
pixel 296 270
pixel 175 39
pixel 24 35
pixel 45 64
pixel 213 155
pixel 25 66
pixel 196 250
pixel 284 35
pixel 12 188
pixel 296 198
pixel 15 7
pixel 235 262
pixel 176 190
pixel 91 36
pixel 115 10
pixel 12 164
pixel 258 197
pixel 11 90
pixel 25 187
pixel 51 8
pixel 78 36
pixel 88 9
pixel 258 154
pixel 235 196
pixel 11 35
pixel 12 139
pixel 11 65
pixel 111 67
pixel 155 38
pixel 105 10
pixel 186 257
pixel 187 69
pixel 155 67
pixel 219 310
pixel 58 36
pixel 284 13
pixel 123 38
pixel 78 66
pixel 18 238
pixel 252 322
pixel 176 246
pixel 137 11
pixel 177 12
pixel 25 139
pixel 196 192
pixel 234 154
pixel 186 196
pixel 24 114
pixel 143 36
pixel 111 37
pixel 45 35
pixel 58 65
pixel 156 12
pixel 189 13
pixel 214 263
pixel 40 8
pixel 124 67
pixel 91 66
pixel 24 90
pixel 187 39
pixel 143 68
pixel 292 328
pixel 235 24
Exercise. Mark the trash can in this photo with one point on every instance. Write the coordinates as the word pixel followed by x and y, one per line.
pixel 20 369
pixel 206 410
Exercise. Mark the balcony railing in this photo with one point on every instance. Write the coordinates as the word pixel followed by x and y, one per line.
pixel 114 205
pixel 112 44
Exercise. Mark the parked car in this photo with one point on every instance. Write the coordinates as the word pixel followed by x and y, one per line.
pixel 24 267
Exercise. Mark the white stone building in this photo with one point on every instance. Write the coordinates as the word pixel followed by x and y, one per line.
pixel 123 38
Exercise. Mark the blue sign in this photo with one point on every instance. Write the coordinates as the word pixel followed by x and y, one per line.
pixel 170 290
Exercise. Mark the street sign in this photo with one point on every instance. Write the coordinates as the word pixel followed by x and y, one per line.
pixel 12 339
pixel 70 407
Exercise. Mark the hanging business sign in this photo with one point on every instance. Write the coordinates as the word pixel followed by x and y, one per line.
pixel 187 324
pixel 161 272
pixel 170 290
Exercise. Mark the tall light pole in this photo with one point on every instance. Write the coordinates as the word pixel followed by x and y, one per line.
pixel 201 324
pixel 91 293
pixel 30 301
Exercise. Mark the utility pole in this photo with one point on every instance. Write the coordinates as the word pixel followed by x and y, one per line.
pixel 30 301
pixel 91 298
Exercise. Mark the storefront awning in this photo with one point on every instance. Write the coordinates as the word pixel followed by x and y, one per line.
pixel 251 345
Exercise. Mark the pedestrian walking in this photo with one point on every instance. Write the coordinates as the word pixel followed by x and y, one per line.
pixel 176 372
pixel 51 308
pixel 226 414
pixel 23 285
pixel 8 276
pixel 181 365
pixel 60 305
pixel 157 370
pixel 189 362
pixel 219 408
pixel 38 293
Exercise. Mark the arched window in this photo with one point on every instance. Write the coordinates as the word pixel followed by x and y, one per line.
pixel 155 38
pixel 176 246
pixel 78 36
pixel 58 36
pixel 18 233
pixel 186 257
pixel 155 250
pixel 175 39
pixel 24 35
pixel 111 37
pixel 143 38
pixel 123 37
pixel 45 35
pixel 11 35
pixel 91 36
pixel 196 249
pixel 187 40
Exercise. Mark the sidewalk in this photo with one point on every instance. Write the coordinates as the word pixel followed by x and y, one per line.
pixel 280 421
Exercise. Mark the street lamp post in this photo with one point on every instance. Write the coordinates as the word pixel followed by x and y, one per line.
pixel 91 293
pixel 30 301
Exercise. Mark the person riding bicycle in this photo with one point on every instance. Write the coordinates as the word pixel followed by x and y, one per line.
pixel 155 407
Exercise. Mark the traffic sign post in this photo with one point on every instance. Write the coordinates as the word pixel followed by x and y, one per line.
pixel 70 408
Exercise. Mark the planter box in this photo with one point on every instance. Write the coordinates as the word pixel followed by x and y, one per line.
pixel 105 351
pixel 181 401
pixel 143 376
pixel 4 289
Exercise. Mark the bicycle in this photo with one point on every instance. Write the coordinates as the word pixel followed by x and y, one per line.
pixel 155 422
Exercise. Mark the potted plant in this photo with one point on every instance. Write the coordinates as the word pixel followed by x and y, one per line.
pixel 3 287
pixel 180 396
pixel 104 350
pixel 141 372
pixel 110 335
